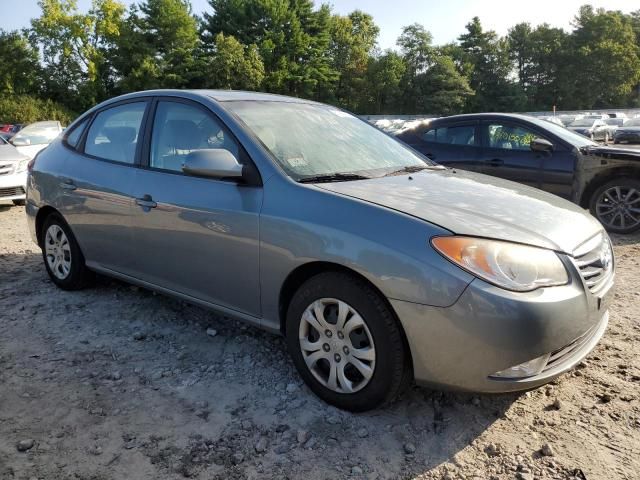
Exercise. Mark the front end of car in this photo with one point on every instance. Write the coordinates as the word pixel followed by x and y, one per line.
pixel 529 315
pixel 627 135
pixel 13 179
pixel 584 131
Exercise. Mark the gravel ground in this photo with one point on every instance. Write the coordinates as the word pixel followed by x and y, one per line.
pixel 115 382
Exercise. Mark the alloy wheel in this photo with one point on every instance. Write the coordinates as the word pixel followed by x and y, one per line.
pixel 58 251
pixel 337 345
pixel 619 207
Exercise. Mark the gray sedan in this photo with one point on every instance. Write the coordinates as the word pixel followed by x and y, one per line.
pixel 379 266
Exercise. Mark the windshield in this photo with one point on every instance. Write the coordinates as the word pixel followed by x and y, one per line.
pixel 614 121
pixel 634 122
pixel 38 134
pixel 584 122
pixel 311 140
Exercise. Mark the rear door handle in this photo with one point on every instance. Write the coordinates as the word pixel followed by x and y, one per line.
pixel 495 162
pixel 67 184
pixel 146 202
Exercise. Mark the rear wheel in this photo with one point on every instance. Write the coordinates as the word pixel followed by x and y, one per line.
pixel 62 256
pixel 346 343
pixel 616 204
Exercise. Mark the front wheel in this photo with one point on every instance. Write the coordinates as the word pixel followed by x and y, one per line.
pixel 346 342
pixel 62 256
pixel 616 204
pixel 19 203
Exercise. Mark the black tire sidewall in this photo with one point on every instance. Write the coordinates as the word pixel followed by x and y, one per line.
pixel 78 274
pixel 387 337
pixel 622 182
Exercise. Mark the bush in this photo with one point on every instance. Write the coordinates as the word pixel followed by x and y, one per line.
pixel 28 109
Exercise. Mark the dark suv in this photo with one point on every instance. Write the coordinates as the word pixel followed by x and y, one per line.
pixel 606 180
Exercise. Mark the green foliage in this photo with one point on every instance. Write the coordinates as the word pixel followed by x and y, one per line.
pixel 295 48
pixel 28 109
pixel 19 67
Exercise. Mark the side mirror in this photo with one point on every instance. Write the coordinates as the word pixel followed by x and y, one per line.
pixel 541 145
pixel 20 142
pixel 213 163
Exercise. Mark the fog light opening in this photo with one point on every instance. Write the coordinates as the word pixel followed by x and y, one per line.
pixel 529 368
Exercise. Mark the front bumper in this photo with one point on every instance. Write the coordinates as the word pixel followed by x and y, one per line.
pixel 490 329
pixel 13 186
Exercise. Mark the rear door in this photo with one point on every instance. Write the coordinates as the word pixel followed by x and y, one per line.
pixel 99 184
pixel 192 235
pixel 453 145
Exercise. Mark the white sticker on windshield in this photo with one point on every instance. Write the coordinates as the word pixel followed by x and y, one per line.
pixel 297 161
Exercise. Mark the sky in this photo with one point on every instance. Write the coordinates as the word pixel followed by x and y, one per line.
pixel 445 19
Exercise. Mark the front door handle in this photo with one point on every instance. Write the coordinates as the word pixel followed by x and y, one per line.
pixel 430 156
pixel 67 184
pixel 146 202
pixel 495 162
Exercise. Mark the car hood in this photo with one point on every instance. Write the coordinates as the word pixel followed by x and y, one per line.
pixel 9 153
pixel 580 129
pixel 467 203
pixel 613 152
pixel 629 129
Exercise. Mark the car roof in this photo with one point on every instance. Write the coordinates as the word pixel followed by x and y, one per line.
pixel 218 95
pixel 482 116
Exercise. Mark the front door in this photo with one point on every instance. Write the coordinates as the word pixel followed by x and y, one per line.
pixel 196 236
pixel 506 152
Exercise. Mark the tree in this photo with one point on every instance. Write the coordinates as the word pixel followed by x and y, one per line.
pixel 353 39
pixel 159 46
pixel 20 70
pixel 232 65
pixel 607 58
pixel 431 83
pixel 488 61
pixel 382 85
pixel 74 48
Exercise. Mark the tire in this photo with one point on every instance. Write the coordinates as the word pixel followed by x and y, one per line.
pixel 19 203
pixel 390 371
pixel 76 276
pixel 623 192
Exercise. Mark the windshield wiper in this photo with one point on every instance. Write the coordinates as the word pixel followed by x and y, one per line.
pixel 333 177
pixel 408 169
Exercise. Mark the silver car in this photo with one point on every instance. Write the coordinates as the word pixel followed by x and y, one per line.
pixel 13 173
pixel 378 266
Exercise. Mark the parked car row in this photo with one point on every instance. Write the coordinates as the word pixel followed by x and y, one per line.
pixel 15 154
pixel 535 152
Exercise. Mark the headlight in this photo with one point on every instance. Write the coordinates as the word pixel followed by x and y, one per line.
pixel 22 165
pixel 507 265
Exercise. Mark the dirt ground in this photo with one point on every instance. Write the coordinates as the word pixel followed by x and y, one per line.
pixel 114 382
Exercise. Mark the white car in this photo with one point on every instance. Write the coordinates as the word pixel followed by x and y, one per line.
pixel 13 173
pixel 35 137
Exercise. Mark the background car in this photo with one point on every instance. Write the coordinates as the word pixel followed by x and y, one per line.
pixel 629 132
pixel 540 154
pixel 36 136
pixel 13 173
pixel 612 126
pixel 592 128
pixel 377 265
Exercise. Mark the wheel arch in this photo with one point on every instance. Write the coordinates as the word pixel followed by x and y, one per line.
pixel 304 272
pixel 41 216
pixel 599 180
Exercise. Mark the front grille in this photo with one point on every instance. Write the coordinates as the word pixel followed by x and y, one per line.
pixel 11 191
pixel 594 259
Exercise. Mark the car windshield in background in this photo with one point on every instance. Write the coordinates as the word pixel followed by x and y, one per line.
pixel 585 122
pixel 311 140
pixel 634 122
pixel 565 134
pixel 38 134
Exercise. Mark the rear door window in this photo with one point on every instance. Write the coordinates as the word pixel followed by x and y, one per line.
pixel 458 135
pixel 114 133
pixel 507 136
